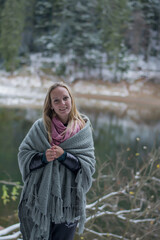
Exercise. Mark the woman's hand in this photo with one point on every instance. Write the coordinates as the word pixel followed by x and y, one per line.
pixel 58 151
pixel 53 153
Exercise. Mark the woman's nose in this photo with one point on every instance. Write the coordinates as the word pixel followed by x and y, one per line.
pixel 62 102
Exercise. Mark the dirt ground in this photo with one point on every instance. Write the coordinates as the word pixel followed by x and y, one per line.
pixel 140 92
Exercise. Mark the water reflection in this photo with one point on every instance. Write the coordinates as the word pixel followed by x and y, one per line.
pixel 14 124
pixel 131 129
pixel 113 132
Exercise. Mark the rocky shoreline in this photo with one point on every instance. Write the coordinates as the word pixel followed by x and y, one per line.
pixel 29 91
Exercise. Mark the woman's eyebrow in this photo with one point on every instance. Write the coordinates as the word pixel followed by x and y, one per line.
pixel 58 97
pixel 54 97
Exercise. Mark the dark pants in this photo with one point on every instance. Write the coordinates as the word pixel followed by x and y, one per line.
pixel 62 231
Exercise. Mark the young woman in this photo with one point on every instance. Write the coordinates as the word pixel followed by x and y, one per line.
pixel 56 160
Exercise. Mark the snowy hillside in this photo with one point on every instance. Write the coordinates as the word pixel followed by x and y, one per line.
pixel 27 87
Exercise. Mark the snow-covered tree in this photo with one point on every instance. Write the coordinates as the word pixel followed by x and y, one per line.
pixel 1 8
pixel 151 11
pixel 12 21
pixel 76 30
pixel 144 33
pixel 29 29
pixel 115 18
pixel 42 23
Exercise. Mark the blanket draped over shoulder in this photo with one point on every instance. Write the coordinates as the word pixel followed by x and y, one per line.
pixel 54 193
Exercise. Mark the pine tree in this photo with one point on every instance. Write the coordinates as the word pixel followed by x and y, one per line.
pixel 29 29
pixel 151 11
pixel 135 33
pixel 77 31
pixel 145 34
pixel 1 9
pixel 43 24
pixel 12 20
pixel 115 17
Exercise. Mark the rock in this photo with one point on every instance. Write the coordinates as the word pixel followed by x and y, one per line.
pixel 1 228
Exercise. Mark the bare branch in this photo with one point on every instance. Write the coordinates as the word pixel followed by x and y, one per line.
pixel 106 234
pixel 8 230
pixel 90 206
pixel 11 183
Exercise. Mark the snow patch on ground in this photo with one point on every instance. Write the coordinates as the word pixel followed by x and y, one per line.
pixel 137 68
pixel 92 88
pixel 29 85
pixel 101 104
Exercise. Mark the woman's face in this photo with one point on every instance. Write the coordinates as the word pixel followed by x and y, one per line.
pixel 61 103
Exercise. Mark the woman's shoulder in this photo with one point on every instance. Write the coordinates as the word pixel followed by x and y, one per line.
pixel 38 123
pixel 85 118
pixel 38 127
pixel 87 121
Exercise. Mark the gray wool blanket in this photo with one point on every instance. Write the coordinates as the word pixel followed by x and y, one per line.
pixel 54 193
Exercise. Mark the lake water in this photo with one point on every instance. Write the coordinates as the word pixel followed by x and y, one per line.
pixel 114 130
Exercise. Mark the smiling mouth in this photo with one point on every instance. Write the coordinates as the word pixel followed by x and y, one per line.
pixel 62 110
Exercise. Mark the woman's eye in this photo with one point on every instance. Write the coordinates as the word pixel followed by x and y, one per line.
pixel 56 101
pixel 65 98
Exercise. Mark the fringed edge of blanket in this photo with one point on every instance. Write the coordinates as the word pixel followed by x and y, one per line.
pixel 57 213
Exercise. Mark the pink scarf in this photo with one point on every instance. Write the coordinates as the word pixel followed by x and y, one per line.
pixel 57 131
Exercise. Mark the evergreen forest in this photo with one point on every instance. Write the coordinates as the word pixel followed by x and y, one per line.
pixel 83 34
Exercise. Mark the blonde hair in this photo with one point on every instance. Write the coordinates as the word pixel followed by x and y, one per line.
pixel 48 113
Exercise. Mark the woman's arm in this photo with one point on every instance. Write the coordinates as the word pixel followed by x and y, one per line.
pixel 38 161
pixel 68 160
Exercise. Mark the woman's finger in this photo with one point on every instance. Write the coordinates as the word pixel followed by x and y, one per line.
pixel 50 155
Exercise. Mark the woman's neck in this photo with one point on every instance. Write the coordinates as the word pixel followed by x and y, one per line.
pixel 64 120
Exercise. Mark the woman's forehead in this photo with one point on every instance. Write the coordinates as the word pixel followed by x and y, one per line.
pixel 59 91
